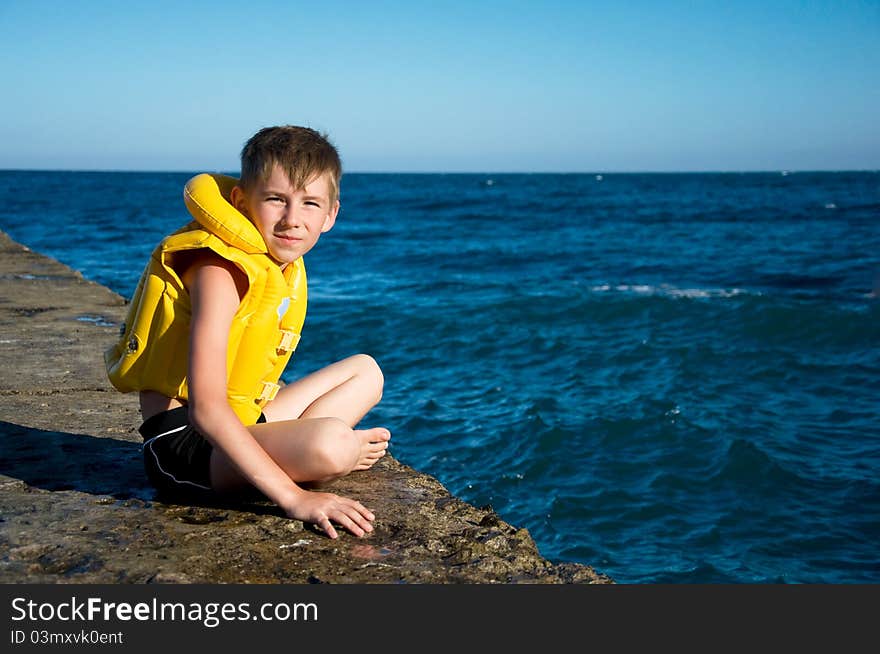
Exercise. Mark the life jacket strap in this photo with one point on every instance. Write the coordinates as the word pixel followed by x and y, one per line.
pixel 268 393
pixel 289 341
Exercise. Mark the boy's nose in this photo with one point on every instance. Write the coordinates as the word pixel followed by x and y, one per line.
pixel 290 219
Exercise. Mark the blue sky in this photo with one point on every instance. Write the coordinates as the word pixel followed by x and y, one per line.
pixel 445 86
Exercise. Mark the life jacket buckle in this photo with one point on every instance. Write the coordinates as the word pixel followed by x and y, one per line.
pixel 268 393
pixel 289 341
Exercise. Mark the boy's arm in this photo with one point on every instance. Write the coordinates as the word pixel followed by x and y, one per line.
pixel 215 299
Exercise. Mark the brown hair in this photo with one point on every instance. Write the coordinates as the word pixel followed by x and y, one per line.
pixel 301 152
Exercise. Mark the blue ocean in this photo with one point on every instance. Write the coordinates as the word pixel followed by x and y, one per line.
pixel 670 377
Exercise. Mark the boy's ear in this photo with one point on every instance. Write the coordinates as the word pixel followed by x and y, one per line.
pixel 236 198
pixel 330 220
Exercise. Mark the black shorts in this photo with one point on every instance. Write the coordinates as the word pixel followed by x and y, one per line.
pixel 177 458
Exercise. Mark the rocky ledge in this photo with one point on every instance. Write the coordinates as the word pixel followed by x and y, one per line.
pixel 75 506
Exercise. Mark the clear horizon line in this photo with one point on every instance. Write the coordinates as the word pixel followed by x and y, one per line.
pixel 468 172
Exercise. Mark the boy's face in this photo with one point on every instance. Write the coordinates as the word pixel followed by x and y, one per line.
pixel 289 220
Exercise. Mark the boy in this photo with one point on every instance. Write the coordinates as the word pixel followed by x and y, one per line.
pixel 212 324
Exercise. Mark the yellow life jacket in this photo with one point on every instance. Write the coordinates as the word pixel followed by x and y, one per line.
pixel 153 351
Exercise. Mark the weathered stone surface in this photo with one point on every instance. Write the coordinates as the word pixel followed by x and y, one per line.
pixel 75 505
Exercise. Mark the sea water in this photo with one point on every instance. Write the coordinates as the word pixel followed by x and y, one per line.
pixel 670 377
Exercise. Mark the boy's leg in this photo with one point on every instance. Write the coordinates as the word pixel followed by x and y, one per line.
pixel 347 390
pixel 309 430
pixel 312 449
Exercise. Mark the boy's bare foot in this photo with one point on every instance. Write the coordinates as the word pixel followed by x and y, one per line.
pixel 374 443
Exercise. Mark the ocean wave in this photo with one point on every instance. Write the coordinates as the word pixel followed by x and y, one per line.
pixel 668 290
pixel 747 467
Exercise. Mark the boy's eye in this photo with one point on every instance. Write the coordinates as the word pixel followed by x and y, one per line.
pixel 312 203
pixel 275 198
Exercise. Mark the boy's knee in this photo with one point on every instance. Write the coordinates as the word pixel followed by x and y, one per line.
pixel 335 447
pixel 369 368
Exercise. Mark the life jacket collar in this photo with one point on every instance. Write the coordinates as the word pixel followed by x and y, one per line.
pixel 207 198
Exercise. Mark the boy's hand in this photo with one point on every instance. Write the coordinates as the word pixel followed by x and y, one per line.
pixel 324 508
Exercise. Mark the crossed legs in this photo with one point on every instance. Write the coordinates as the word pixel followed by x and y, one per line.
pixel 310 431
